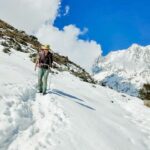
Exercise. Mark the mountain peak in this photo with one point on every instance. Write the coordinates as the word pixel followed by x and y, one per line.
pixel 135 45
pixel 125 70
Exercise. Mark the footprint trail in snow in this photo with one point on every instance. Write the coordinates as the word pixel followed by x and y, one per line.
pixel 29 118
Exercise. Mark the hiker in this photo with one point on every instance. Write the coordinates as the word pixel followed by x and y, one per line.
pixel 44 64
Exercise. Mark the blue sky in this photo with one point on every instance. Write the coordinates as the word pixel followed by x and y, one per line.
pixel 115 24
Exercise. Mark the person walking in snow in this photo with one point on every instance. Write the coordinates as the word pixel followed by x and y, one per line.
pixel 44 64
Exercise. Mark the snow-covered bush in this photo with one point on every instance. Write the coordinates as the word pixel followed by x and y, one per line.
pixel 6 50
pixel 5 44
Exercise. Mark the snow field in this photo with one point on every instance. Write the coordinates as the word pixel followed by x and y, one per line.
pixel 74 115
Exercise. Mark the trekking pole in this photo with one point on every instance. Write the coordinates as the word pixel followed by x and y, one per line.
pixel 50 78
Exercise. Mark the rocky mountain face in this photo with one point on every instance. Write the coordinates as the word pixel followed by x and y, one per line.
pixel 124 70
pixel 11 38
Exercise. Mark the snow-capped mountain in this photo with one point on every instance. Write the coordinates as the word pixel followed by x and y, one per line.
pixel 124 70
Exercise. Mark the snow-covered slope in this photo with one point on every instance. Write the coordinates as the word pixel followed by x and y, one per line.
pixel 124 70
pixel 74 115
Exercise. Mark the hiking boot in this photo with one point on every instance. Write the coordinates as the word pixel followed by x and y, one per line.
pixel 44 93
pixel 39 91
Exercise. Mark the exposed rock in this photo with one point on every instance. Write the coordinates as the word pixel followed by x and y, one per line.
pixel 147 103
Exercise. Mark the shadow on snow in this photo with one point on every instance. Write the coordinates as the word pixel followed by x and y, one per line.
pixel 74 98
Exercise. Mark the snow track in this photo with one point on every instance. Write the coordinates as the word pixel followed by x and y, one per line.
pixel 26 116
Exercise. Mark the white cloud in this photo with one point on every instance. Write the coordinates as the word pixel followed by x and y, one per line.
pixel 38 16
pixel 67 42
pixel 29 15
pixel 67 8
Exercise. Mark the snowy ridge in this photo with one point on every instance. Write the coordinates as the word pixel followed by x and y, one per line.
pixel 124 70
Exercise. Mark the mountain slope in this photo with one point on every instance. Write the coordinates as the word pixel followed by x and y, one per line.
pixel 74 115
pixel 124 70
pixel 11 38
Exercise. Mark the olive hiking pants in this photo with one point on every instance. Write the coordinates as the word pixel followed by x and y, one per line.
pixel 42 79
